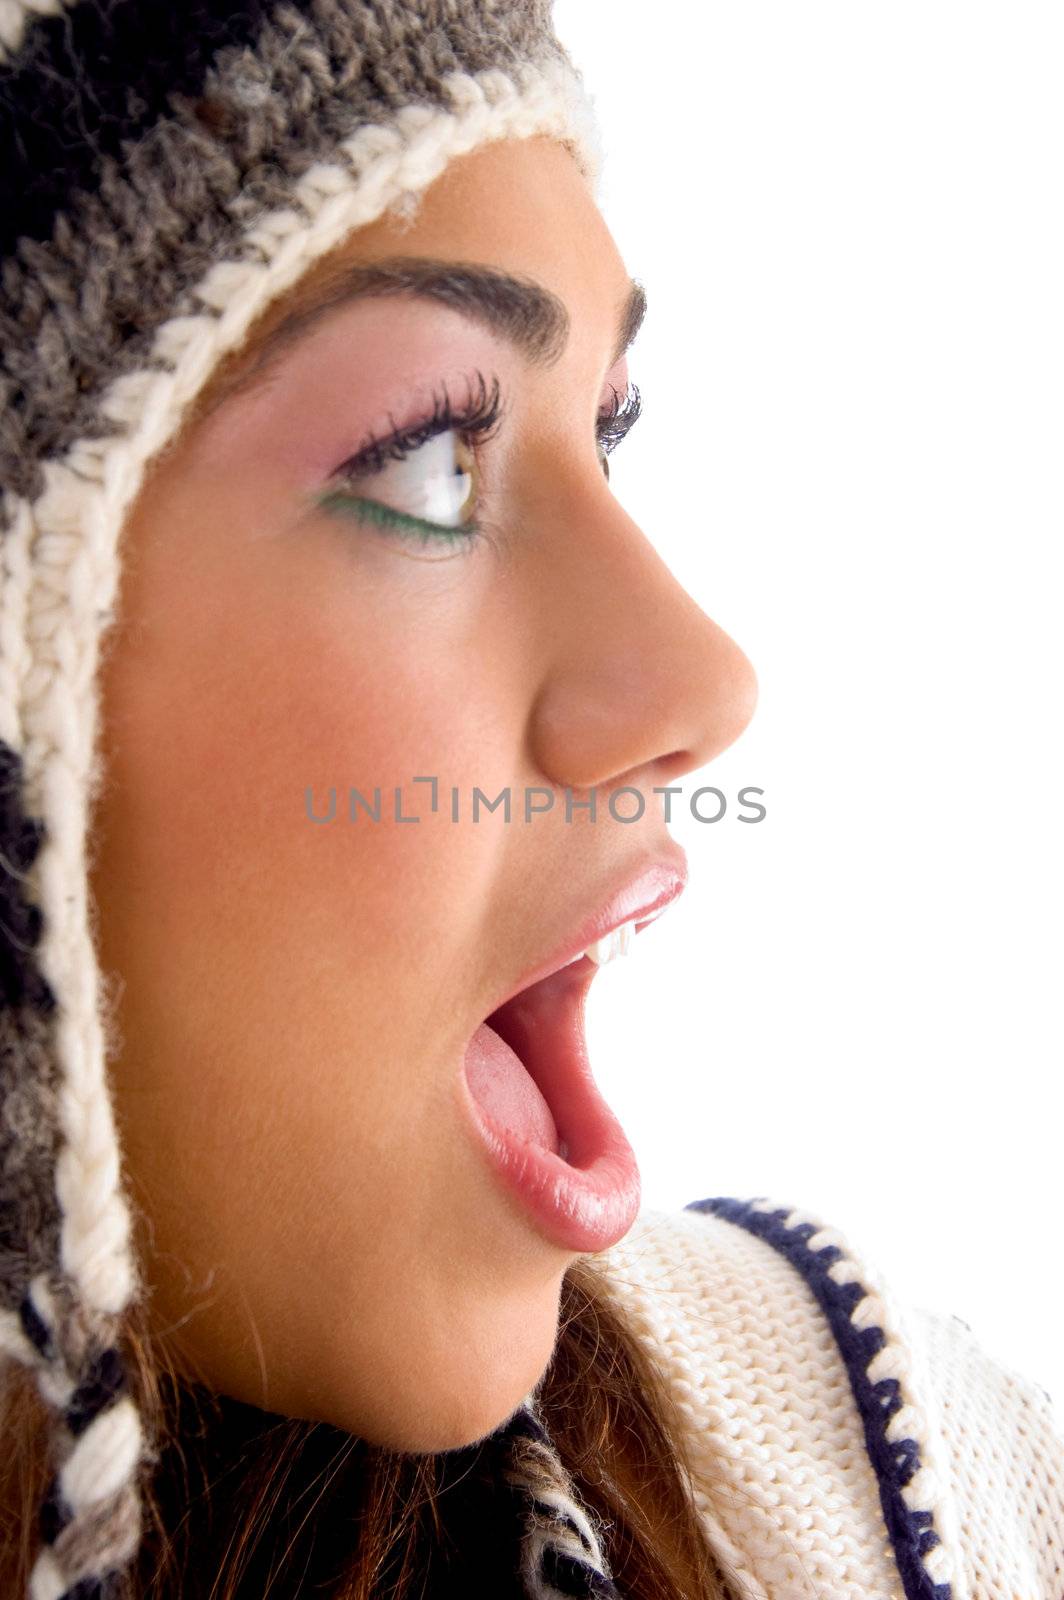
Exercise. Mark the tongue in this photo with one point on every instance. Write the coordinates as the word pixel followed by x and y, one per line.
pixel 506 1091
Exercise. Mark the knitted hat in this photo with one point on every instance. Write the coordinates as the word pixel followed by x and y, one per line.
pixel 167 171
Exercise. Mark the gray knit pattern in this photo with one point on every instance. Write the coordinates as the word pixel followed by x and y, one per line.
pixel 82 307
pixel 171 147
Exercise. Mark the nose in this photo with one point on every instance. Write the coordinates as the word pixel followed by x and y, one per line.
pixel 638 682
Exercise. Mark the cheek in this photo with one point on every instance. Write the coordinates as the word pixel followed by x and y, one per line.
pixel 233 719
pixel 287 979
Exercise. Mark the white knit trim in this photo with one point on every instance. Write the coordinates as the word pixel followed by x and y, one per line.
pixel 104 1457
pixel 55 1386
pixel 16 16
pixel 46 1580
pixel 14 591
pixel 13 1341
pixel 926 1489
pixel 643 1273
pixel 54 1382
pixel 67 589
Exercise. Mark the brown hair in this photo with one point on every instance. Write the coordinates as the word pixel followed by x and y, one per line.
pixel 243 1504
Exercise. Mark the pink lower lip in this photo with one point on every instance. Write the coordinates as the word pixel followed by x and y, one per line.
pixel 590 1201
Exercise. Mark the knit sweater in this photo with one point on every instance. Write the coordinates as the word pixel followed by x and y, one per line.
pixel 843 1445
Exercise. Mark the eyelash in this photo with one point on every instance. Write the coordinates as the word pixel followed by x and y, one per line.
pixel 612 426
pixel 476 422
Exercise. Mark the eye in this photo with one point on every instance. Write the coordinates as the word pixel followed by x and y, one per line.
pixel 422 481
pixel 436 482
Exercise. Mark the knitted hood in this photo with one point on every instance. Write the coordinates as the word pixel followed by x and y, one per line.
pixel 168 170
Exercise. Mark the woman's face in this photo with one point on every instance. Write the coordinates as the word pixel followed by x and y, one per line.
pixel 322 1234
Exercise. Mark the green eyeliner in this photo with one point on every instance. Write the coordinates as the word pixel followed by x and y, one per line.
pixel 400 522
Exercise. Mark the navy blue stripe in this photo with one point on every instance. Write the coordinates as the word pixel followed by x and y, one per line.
pixel 571 1577
pixel 94 1589
pixel 895 1461
pixel 90 78
pixel 35 1328
pixel 54 1514
pixel 105 1382
pixel 21 837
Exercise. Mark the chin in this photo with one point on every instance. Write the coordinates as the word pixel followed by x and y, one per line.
pixel 462 1419
pixel 473 1393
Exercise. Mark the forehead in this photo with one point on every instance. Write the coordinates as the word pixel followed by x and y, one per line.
pixel 521 206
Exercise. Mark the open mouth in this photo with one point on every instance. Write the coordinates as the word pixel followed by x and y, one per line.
pixel 527 1061
pixel 541 1120
pixel 527 1089
pixel 527 1064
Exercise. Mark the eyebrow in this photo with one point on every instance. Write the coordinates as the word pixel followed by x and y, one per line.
pixel 525 313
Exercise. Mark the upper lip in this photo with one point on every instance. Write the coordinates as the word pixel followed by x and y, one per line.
pixel 640 894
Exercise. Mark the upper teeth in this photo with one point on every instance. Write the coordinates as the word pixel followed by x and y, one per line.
pixel 614 943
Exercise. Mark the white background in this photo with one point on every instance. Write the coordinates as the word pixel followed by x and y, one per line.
pixel 848 221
